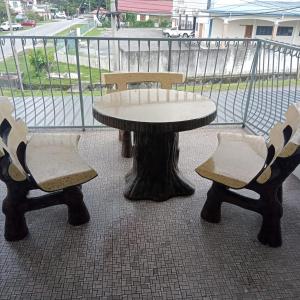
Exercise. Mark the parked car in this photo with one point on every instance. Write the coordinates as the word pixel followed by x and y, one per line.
pixel 175 32
pixel 15 26
pixel 60 15
pixel 31 23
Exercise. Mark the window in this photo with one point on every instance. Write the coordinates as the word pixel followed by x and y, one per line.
pixel 264 30
pixel 285 30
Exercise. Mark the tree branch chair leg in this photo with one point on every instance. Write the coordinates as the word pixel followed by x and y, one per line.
pixel 14 210
pixel 211 211
pixel 270 232
pixel 77 211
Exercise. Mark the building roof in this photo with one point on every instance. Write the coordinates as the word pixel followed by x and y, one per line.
pixel 263 8
pixel 163 7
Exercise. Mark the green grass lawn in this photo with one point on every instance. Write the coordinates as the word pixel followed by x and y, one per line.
pixel 95 32
pixel 30 77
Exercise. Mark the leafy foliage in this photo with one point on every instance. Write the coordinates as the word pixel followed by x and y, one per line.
pixel 3 16
pixel 165 23
pixel 40 61
pixel 70 7
pixel 143 24
pixel 31 15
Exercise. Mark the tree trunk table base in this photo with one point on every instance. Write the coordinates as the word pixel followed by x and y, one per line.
pixel 155 173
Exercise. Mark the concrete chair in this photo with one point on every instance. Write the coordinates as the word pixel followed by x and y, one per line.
pixel 121 82
pixel 49 162
pixel 246 162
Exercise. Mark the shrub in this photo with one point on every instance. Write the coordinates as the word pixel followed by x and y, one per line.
pixel 165 23
pixel 144 24
pixel 31 15
pixel 106 23
pixel 40 61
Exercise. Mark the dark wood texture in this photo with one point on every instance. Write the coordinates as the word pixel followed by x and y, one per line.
pixel 155 116
pixel 126 143
pixel 155 173
pixel 269 205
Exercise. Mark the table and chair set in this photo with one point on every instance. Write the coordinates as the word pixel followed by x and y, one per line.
pixel 154 117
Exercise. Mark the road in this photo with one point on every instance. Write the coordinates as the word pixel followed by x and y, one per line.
pixel 48 29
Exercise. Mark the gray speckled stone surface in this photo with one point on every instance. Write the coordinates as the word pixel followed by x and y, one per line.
pixel 149 250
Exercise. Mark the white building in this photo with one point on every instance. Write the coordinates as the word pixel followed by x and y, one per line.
pixel 16 6
pixel 190 14
pixel 275 20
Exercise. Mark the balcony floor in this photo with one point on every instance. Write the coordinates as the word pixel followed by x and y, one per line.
pixel 149 250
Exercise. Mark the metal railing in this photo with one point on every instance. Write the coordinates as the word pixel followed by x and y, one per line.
pixel 251 81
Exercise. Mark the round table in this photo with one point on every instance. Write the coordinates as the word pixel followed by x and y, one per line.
pixel 155 116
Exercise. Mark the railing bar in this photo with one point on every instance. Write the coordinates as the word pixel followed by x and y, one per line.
pixel 128 55
pixel 99 67
pixel 222 76
pixel 155 39
pixel 119 55
pixel 196 67
pixel 169 55
pixel 70 80
pixel 277 83
pixel 58 68
pixel 12 41
pixel 297 75
pixel 257 83
pixel 49 77
pixel 40 80
pixel 240 78
pixel 139 54
pixel 188 64
pixel 267 89
pixel 79 85
pixel 205 68
pixel 282 89
pixel 262 107
pixel 291 73
pixel 23 41
pixel 108 48
pixel 179 58
pixel 90 71
pixel 7 73
pixel 158 55
pixel 251 83
pixel 149 49
pixel 215 67
pixel 231 73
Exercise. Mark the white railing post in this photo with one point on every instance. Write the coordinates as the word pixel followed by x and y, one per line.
pixel 252 80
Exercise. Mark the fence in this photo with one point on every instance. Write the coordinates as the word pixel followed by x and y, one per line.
pixel 251 81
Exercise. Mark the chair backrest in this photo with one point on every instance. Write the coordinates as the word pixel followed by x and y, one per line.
pixel 13 140
pixel 284 140
pixel 121 80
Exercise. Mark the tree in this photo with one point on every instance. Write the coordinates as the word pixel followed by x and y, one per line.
pixel 3 16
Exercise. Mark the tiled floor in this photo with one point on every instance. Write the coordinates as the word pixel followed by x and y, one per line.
pixel 148 250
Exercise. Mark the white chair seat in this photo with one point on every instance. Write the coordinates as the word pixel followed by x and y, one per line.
pixel 237 160
pixel 54 163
